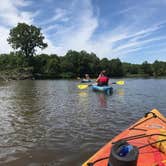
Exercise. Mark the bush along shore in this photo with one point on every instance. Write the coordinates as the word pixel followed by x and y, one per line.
pixel 15 66
pixel 17 74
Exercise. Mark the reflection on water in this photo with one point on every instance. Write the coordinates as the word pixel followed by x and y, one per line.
pixel 55 123
pixel 102 98
pixel 120 91
pixel 83 94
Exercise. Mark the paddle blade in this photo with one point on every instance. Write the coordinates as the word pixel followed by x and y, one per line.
pixel 120 82
pixel 82 86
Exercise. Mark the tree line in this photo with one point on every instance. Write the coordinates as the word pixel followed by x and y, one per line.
pixel 76 64
pixel 26 38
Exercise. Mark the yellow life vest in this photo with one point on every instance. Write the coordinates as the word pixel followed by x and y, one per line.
pixel 158 136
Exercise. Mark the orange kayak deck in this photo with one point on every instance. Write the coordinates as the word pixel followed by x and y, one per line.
pixel 149 155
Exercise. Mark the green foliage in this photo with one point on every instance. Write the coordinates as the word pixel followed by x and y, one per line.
pixel 132 69
pixel 66 75
pixel 53 65
pixel 26 38
pixel 147 68
pixel 12 60
pixel 159 68
pixel 116 68
pixel 104 63
pixel 77 64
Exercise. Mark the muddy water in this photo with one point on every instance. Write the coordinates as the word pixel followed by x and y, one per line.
pixel 53 123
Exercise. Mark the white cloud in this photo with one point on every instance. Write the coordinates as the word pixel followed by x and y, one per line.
pixel 126 10
pixel 51 49
pixel 22 3
pixel 76 27
pixel 82 33
pixel 83 25
pixel 4 46
pixel 51 27
pixel 59 15
pixel 10 15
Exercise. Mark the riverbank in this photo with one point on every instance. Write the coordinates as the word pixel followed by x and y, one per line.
pixel 26 73
pixel 17 74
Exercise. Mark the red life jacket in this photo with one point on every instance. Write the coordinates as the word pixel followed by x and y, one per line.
pixel 103 80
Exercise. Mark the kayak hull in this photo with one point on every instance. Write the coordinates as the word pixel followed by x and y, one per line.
pixel 149 155
pixel 105 89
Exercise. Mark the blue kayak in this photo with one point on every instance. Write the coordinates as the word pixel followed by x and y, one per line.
pixel 106 89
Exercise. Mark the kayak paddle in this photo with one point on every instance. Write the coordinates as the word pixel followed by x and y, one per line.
pixel 118 82
pixel 83 86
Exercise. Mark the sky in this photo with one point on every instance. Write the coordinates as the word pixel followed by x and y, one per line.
pixel 134 31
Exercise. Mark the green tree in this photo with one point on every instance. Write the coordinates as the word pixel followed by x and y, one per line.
pixel 89 64
pixel 26 38
pixel 40 62
pixel 126 68
pixel 159 68
pixel 79 63
pixel 147 69
pixel 116 68
pixel 104 64
pixel 53 65
pixel 135 69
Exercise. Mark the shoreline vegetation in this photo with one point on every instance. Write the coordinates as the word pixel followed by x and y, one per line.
pixel 15 66
pixel 17 74
pixel 25 64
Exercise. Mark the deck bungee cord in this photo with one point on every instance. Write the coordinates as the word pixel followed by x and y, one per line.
pixel 146 115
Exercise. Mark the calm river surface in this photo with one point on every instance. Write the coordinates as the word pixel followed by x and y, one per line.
pixel 47 123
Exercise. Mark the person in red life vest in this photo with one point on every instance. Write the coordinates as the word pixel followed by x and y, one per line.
pixel 102 79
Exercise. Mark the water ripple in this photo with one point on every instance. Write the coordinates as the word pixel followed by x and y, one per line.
pixel 54 123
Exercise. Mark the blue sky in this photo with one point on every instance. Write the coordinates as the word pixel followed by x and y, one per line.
pixel 134 31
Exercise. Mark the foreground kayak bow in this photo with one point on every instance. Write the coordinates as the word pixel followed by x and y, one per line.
pixel 142 144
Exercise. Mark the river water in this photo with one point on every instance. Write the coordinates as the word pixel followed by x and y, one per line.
pixel 51 122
